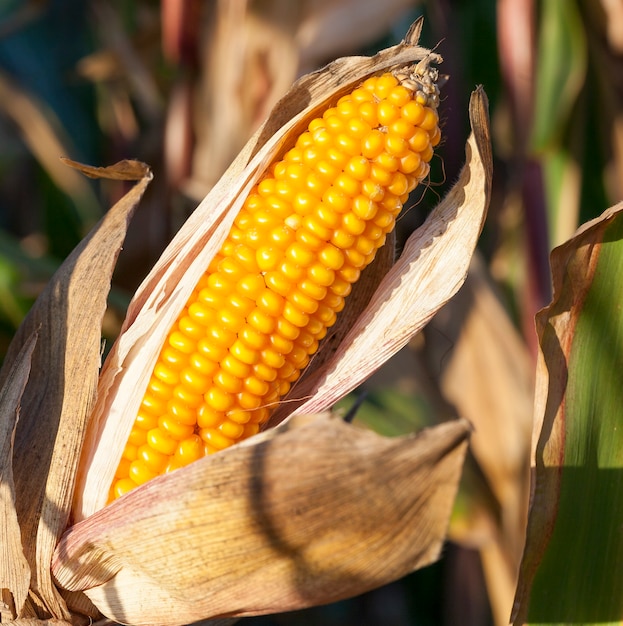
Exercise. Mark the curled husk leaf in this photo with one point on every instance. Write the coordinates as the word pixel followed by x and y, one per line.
pixel 291 518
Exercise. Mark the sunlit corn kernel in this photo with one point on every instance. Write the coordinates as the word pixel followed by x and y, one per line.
pixel 153 460
pixel 303 303
pixel 166 374
pixel 215 438
pixel 286 329
pixel 327 215
pixel 320 274
pixel 280 344
pixel 308 239
pixel 261 322
pixel 189 451
pixel 336 200
pixel 129 452
pixel 146 421
pixel 364 208
pixel 207 417
pixel 312 289
pixel 161 442
pixel 227 382
pixel 347 185
pixel 218 399
pixel 294 315
pixel 153 405
pixel 353 224
pixel 342 239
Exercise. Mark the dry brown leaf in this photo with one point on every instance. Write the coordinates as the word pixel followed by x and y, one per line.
pixel 289 519
pixel 123 170
pixel 60 393
pixel 14 569
pixel 486 375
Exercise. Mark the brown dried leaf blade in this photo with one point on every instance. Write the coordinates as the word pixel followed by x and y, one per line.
pixel 14 570
pixel 60 392
pixel 302 515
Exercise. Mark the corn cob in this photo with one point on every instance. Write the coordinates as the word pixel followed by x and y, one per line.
pixel 301 240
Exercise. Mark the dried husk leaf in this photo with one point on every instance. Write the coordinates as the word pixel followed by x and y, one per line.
pixel 166 289
pixel 14 569
pixel 291 518
pixel 430 270
pixel 60 393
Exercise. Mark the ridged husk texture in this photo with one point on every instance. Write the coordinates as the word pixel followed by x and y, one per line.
pixel 309 512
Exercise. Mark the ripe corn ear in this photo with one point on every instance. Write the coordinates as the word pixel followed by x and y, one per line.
pixel 302 238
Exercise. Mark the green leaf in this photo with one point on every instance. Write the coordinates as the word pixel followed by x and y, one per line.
pixel 571 571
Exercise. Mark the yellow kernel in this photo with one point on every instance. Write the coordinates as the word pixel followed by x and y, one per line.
pixel 396 146
pixel 158 389
pixel 350 274
pixel 239 416
pixel 388 162
pixel 231 430
pixel 215 438
pixel 166 374
pixel 326 315
pixel 355 258
pixel 367 111
pixel 123 468
pixel 234 366
pixel 207 417
pixel 316 184
pixel 410 162
pixel 364 208
pixel 129 452
pixel 435 136
pixel 293 315
pixel 246 257
pixel 250 430
pixel 153 405
pixel 321 275
pixel 261 322
pixel 231 269
pixel 278 282
pixel 174 429
pixel 327 215
pixel 387 113
pixel 248 400
pixel 140 473
pixel 327 170
pixel 211 353
pixel 373 144
pixel 180 342
pixel 353 224
pixel 346 107
pixel 312 289
pixel 154 460
pixel 413 112
pixel 309 240
pixel 399 184
pixel 282 236
pixel 379 175
pixel 200 313
pixel 161 442
pixel 385 84
pixel 315 124
pixel 298 357
pixel 268 258
pixel 281 344
pixel 358 167
pixel 251 285
pixel 230 319
pixel 227 382
pixel 189 451
pixel 258 416
pixel 399 95
pixel 295 173
pixel 243 353
pixel 252 337
pixel 341 287
pixel 420 140
pixel 331 256
pixel 146 421
pixel 300 255
pixel 218 399
pixel 384 220
pixel 337 157
pixel 287 329
pixel 341 239
pixel 336 200
pixel 181 412
pixel 292 271
pixel 312 155
pixel 265 372
pixel 266 187
pixel 430 119
pixel 427 153
pixel 137 436
pixel 347 144
pixel 347 185
pixel 303 303
pixel 256 386
pixel 270 302
pixel 316 227
pixel 358 128
pixel 123 486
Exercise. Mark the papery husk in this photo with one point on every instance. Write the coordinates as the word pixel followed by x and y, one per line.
pixel 14 569
pixel 308 513
pixel 167 288
pixel 60 393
